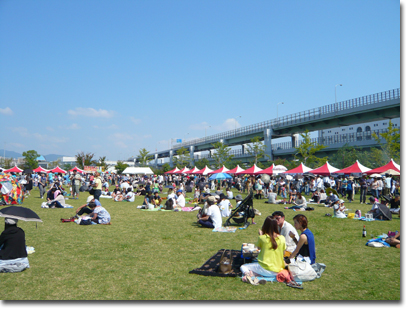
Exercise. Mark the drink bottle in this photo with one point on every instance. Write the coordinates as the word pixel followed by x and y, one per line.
pixel 364 231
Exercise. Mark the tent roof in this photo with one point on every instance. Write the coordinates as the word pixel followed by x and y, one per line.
pixel 76 168
pixel 252 170
pixel 235 170
pixel 58 170
pixel 40 169
pixel 220 170
pixel 299 169
pixel 204 171
pixel 269 170
pixel 390 165
pixel 14 169
pixel 184 170
pixel 137 170
pixel 176 169
pixel 193 170
pixel 355 168
pixel 326 169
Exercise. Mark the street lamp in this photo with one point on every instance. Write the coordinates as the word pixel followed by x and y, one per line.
pixel 206 129
pixel 277 111
pixel 236 122
pixel 335 91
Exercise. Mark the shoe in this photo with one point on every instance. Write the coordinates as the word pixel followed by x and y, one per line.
pixel 253 223
pixel 294 285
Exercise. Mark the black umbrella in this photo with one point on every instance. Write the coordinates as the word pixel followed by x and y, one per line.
pixel 20 213
pixel 169 186
pixel 27 171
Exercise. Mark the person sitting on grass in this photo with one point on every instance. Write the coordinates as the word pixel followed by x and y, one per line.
pixel 95 214
pixel 272 247
pixel 292 195
pixel 157 200
pixel 116 191
pixel 339 209
pixel 299 203
pixel 130 196
pixel 284 229
pixel 197 194
pixel 306 243
pixel 13 253
pixel 180 201
pixel 58 201
pixel 224 205
pixel 315 197
pixel 211 217
pixel 229 193
pixel 322 196
pixel 271 197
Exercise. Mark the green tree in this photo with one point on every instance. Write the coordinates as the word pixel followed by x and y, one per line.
pixel 67 167
pixel 30 159
pixel 54 163
pixel 86 158
pixel 391 146
pixel 120 166
pixel 103 162
pixel 181 159
pixel 143 157
pixel 165 167
pixel 256 148
pixel 221 154
pixel 307 149
pixel 6 163
pixel 201 163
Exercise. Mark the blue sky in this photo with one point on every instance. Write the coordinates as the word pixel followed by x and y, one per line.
pixel 112 77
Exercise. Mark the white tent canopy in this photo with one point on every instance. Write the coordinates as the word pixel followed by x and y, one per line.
pixel 137 170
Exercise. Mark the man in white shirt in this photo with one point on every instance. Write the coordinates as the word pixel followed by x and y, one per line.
pixel 180 203
pixel 284 229
pixel 213 218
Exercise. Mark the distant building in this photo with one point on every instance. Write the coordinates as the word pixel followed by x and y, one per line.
pixel 358 132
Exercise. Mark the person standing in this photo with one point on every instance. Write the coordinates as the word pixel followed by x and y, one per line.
pixel 97 186
pixel 42 183
pixel 363 190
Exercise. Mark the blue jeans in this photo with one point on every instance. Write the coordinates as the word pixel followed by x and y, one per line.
pixel 208 223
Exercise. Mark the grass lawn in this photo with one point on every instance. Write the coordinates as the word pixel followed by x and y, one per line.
pixel 147 256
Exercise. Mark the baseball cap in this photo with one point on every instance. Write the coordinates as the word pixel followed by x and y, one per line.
pixel 238 197
pixel 210 199
pixel 90 198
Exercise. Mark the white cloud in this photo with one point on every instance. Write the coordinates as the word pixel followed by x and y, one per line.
pixel 200 126
pixel 136 121
pixel 229 124
pixel 90 112
pixel 22 131
pixel 49 128
pixel 6 111
pixel 74 126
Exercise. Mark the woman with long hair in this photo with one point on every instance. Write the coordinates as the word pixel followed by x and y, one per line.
pixel 272 247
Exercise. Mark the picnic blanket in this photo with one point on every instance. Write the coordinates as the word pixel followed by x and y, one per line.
pixel 210 267
pixel 225 229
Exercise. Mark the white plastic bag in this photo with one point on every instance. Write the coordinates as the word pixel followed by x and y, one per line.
pixel 301 270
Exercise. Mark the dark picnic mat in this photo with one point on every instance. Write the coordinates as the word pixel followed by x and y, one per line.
pixel 210 268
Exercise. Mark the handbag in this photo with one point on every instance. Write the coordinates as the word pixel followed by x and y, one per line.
pixel 225 263
pixel 301 270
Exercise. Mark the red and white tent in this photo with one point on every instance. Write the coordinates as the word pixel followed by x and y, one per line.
pixel 58 170
pixel 235 170
pixel 193 170
pixel 204 171
pixel 184 170
pixel 355 168
pixel 326 169
pixel 175 170
pixel 270 170
pixel 40 169
pixel 299 169
pixel 252 170
pixel 76 168
pixel 391 165
pixel 223 169
pixel 14 169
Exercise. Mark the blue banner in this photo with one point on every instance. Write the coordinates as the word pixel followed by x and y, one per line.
pixel 179 140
